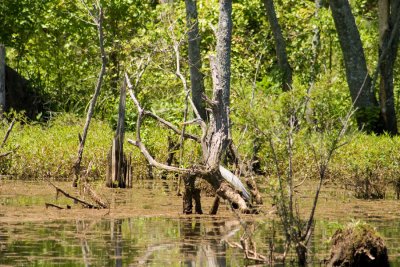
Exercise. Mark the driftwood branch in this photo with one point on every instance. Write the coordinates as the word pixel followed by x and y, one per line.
pixel 138 142
pixel 171 126
pixel 80 201
pixel 94 196
pixel 91 192
pixel 250 254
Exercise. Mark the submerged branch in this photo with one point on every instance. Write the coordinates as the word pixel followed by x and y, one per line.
pixel 82 202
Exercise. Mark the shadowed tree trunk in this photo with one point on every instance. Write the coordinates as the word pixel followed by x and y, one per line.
pixel 388 12
pixel 358 79
pixel 196 77
pixel 314 62
pixel 280 46
pixel 2 78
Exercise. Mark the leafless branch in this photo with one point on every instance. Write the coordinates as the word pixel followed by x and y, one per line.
pixel 154 116
pixel 155 163
pixel 7 133
pixel 53 206
pixel 80 201
pixel 323 166
pixel 99 24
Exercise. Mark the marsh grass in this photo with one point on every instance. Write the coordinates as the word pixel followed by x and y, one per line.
pixel 369 165
pixel 48 150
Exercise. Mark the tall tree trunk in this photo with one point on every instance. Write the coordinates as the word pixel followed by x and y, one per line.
pixel 280 46
pixel 221 73
pixel 2 78
pixel 196 77
pixel 314 66
pixel 388 14
pixel 218 132
pixel 358 79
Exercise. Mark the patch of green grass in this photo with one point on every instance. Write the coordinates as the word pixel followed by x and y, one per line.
pixel 49 150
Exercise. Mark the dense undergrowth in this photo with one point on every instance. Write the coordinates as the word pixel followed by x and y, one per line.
pixel 368 165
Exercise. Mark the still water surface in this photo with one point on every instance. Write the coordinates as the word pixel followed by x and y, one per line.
pixel 31 235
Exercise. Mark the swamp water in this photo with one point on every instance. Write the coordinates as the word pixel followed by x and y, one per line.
pixel 144 227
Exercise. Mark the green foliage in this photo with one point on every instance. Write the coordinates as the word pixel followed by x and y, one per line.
pixel 54 44
pixel 49 150
pixel 369 166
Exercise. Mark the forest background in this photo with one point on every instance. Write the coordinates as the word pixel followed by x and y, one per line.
pixel 54 45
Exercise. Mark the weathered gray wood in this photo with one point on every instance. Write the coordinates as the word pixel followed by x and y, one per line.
pixel 117 171
pixel 2 78
pixel 215 136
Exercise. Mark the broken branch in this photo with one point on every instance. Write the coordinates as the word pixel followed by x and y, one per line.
pixel 82 202
pixel 7 133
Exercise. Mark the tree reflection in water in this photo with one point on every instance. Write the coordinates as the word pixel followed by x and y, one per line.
pixel 199 244
pixel 204 246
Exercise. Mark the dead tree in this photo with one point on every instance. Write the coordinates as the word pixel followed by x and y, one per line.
pixel 215 133
pixel 98 22
pixel 119 172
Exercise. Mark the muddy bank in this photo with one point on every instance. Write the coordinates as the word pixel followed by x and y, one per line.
pixel 25 201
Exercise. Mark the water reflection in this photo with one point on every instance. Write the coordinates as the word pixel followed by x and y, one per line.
pixel 155 241
pixel 205 248
pixel 117 242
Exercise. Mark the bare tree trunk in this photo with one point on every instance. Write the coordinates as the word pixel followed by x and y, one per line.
pixel 118 168
pixel 358 79
pixel 280 46
pixel 2 78
pixel 221 73
pixel 388 14
pixel 77 166
pixel 196 77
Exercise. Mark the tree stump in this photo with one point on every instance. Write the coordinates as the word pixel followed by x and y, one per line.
pixel 358 246
pixel 119 171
